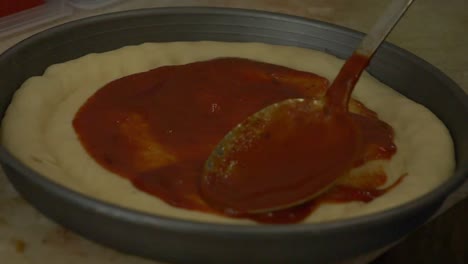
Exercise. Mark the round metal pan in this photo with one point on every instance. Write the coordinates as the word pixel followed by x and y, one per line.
pixel 184 241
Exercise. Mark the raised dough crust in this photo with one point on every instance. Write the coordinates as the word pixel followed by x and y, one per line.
pixel 38 130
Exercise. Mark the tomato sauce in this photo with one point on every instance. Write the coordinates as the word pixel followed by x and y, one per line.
pixel 157 128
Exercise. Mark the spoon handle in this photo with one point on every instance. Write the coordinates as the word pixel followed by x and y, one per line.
pixel 384 25
pixel 339 92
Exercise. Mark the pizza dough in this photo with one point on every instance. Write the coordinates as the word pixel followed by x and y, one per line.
pixel 37 127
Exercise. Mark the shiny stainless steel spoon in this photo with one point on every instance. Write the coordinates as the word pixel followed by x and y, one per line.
pixel 249 172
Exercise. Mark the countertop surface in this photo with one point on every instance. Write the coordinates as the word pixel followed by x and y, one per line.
pixel 432 29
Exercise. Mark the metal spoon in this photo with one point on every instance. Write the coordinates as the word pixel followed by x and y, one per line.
pixel 291 151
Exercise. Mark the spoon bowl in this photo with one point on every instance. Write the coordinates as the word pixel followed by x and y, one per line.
pixel 260 142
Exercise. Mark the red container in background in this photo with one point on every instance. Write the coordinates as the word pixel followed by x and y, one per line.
pixel 8 7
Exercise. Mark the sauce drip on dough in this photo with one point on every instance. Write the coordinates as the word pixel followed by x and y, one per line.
pixel 158 127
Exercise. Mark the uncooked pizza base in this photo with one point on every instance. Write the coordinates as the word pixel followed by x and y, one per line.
pixel 37 128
